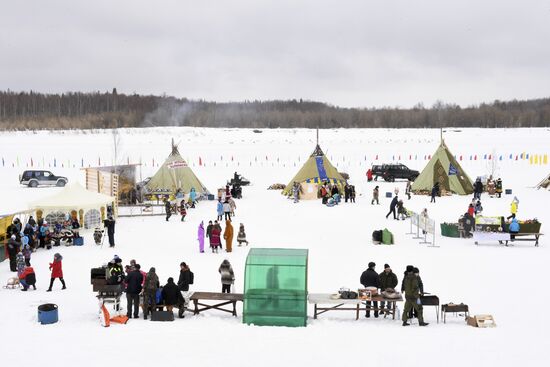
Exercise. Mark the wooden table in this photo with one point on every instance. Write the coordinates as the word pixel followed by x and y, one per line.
pixel 225 298
pixel 348 304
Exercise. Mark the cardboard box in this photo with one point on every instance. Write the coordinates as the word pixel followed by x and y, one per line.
pixel 481 321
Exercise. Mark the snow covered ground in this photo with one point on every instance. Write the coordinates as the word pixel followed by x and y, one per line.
pixel 507 282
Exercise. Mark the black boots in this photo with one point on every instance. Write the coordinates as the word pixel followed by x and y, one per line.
pixel 405 323
pixel 51 284
pixel 423 324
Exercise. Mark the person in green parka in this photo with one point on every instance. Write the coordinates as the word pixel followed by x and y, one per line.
pixel 412 297
pixel 387 280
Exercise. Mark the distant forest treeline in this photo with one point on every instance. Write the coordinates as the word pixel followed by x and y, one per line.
pixel 30 110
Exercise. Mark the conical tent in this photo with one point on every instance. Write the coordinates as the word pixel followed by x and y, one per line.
pixel 544 184
pixel 443 168
pixel 175 174
pixel 316 170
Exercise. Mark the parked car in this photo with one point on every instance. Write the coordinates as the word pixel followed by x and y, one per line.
pixel 390 172
pixel 34 178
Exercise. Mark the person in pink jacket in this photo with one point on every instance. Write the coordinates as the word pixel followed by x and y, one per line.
pixel 201 237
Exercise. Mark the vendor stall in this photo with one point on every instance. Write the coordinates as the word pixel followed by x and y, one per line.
pixel 75 202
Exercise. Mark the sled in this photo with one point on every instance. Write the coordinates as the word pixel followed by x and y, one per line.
pixel 120 319
pixel 13 283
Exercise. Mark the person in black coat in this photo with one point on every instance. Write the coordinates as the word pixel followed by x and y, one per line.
pixel 109 223
pixel 478 188
pixel 434 192
pixel 13 249
pixel 346 193
pixel 133 289
pixel 185 278
pixel 171 295
pixel 167 209
pixel 393 205
pixel 370 278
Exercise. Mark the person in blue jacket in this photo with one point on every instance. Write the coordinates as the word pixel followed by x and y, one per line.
pixel 220 209
pixel 513 228
pixel 193 196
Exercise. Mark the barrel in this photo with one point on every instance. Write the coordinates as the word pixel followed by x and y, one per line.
pixel 47 313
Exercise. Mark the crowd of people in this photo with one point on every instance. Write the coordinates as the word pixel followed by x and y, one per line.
pixel 387 282
pixel 144 288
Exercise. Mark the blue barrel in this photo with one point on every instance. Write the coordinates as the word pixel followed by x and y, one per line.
pixel 47 313
pixel 388 194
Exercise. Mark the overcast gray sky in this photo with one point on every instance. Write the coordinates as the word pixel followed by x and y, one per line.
pixel 348 53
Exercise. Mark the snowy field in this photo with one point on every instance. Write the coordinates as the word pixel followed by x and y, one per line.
pixel 507 282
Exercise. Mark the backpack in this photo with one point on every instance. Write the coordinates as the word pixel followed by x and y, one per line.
pixel 377 236
pixel 191 277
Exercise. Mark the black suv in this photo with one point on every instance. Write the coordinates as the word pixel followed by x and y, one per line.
pixel 34 178
pixel 389 172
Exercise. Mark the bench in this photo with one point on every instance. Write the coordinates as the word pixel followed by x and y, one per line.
pixel 505 237
pixel 356 305
pixel 534 239
pixel 199 298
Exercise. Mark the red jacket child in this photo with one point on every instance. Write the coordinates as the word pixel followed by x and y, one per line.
pixel 57 271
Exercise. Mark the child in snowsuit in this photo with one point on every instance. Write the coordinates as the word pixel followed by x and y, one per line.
pixel 241 236
pixel 20 262
pixel 57 271
pixel 27 254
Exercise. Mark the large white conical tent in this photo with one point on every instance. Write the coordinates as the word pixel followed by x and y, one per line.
pixel 175 174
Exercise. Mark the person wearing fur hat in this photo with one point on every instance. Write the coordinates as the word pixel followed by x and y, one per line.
pixel 57 271
pixel 411 286
pixel 150 292
pixel 370 278
pixel 227 276
pixel 241 236
pixel 388 279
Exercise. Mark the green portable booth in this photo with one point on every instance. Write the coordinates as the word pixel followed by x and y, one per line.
pixel 275 287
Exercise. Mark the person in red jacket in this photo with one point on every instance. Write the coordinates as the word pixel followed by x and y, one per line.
pixel 369 175
pixel 27 278
pixel 471 210
pixel 57 271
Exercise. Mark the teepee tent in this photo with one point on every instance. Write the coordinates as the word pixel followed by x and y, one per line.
pixel 443 168
pixel 544 184
pixel 313 173
pixel 175 174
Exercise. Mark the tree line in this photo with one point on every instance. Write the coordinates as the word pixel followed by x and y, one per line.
pixel 77 110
